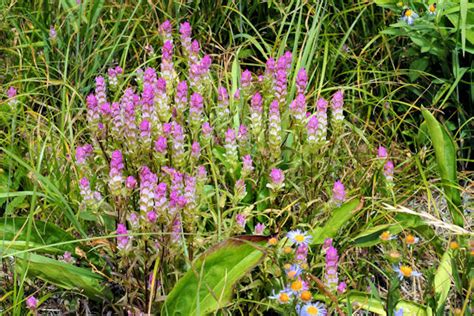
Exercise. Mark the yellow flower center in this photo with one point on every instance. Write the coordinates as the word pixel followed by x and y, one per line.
pixel 306 296
pixel 454 245
pixel 432 8
pixel 406 271
pixel 299 238
pixel 385 235
pixel 272 241
pixel 312 310
pixel 284 298
pixel 410 239
pixel 408 13
pixel 287 250
pixel 297 285
pixel 287 266
pixel 291 274
pixel 304 266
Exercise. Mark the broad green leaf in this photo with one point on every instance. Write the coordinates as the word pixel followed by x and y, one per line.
pixel 64 275
pixel 369 303
pixel 442 279
pixel 207 286
pixel 13 234
pixel 445 152
pixel 339 217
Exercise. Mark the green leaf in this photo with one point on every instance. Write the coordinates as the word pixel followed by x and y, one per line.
pixel 416 67
pixel 339 217
pixel 442 280
pixel 64 275
pixel 14 234
pixel 369 303
pixel 207 286
pixel 445 152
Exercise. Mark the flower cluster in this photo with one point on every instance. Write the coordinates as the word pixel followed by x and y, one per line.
pixel 297 291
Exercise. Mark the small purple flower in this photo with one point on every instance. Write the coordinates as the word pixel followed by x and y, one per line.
pixel 145 129
pixel 11 92
pixel 31 303
pixel 382 152
pixel 151 216
pixel 166 29
pixel 330 276
pixel 337 104
pixel 83 152
pixel 312 130
pixel 161 144
pixel 67 257
pixel 122 241
pixel 327 243
pixel 131 182
pixel 241 220
pixel 133 219
pixel 247 165
pixel 259 228
pixel 206 130
pixel 338 192
pixel 246 78
pixel 388 170
pixel 341 288
pixel 277 179
pixel 195 150
pixel 52 33
pixel 301 81
pixel 201 174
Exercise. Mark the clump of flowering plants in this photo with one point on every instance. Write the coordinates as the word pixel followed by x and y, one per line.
pixel 177 159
